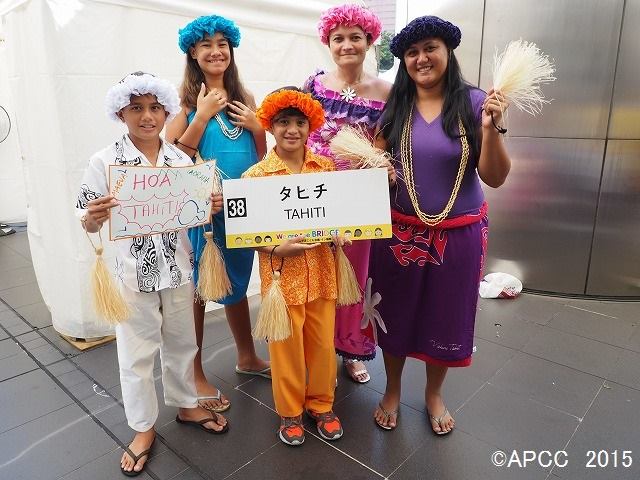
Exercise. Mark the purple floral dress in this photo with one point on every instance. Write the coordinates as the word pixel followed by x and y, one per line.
pixel 351 341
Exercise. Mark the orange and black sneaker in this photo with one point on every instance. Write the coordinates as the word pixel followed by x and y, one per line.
pixel 328 424
pixel 291 431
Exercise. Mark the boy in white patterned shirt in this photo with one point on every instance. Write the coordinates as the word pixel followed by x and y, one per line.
pixel 155 272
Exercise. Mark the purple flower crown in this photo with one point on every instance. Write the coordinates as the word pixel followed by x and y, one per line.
pixel 425 27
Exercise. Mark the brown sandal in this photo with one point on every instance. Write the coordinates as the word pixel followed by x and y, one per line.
pixel 201 424
pixel 136 459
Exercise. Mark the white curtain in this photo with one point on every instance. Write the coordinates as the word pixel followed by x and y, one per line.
pixel 61 56
pixel 13 201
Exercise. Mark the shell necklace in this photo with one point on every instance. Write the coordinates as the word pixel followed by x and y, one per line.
pixel 230 133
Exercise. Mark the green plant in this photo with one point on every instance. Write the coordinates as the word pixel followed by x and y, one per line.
pixel 385 57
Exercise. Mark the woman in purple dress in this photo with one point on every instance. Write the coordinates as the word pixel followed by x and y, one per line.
pixel 444 140
pixel 349 96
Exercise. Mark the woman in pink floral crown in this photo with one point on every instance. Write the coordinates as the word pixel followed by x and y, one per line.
pixel 349 96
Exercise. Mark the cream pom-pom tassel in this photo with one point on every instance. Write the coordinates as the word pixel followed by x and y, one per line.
pixel 274 323
pixel 518 73
pixel 348 288
pixel 213 280
pixel 353 145
pixel 107 299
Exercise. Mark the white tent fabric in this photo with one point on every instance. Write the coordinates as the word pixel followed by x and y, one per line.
pixel 13 202
pixel 63 55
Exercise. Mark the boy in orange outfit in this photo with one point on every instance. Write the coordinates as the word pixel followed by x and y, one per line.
pixel 308 279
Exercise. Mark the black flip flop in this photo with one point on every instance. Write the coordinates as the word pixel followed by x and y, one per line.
pixel 201 423
pixel 136 458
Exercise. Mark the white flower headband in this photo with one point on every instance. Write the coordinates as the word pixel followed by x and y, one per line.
pixel 140 83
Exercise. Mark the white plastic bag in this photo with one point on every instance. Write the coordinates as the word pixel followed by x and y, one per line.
pixel 500 285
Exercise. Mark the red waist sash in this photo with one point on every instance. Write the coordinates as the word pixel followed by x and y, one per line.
pixel 447 223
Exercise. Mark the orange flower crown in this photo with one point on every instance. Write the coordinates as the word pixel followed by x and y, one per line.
pixel 278 101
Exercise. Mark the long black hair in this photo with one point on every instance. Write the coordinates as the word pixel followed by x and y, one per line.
pixel 456 103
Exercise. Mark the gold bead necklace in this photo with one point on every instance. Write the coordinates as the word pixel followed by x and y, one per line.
pixel 406 156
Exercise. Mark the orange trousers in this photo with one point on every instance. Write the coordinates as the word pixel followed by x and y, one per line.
pixel 309 350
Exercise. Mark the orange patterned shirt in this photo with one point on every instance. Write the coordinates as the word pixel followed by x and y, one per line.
pixel 311 275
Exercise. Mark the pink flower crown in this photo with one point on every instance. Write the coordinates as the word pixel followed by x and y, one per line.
pixel 349 15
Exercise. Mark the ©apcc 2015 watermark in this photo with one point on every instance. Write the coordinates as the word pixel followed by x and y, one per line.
pixel 560 458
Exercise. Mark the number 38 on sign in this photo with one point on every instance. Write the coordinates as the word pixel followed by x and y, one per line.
pixel 236 207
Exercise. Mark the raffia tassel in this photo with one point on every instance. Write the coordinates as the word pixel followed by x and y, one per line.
pixel 354 145
pixel 107 298
pixel 519 72
pixel 213 281
pixel 273 322
pixel 348 288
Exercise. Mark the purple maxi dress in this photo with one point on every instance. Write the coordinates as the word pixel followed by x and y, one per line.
pixel 350 341
pixel 428 277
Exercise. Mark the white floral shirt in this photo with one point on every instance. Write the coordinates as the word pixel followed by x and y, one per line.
pixel 150 262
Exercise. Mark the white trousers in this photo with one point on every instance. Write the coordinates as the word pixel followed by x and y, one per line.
pixel 159 321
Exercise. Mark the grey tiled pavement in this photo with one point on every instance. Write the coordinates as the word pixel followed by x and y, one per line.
pixel 549 374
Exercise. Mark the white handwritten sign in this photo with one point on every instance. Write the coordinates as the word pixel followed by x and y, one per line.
pixel 159 199
pixel 268 210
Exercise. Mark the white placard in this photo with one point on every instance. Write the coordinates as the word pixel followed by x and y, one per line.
pixel 268 210
pixel 159 199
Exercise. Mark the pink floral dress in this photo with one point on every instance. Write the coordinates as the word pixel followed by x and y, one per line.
pixel 351 341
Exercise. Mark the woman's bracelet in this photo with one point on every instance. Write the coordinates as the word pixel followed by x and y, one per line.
pixel 178 142
pixel 501 130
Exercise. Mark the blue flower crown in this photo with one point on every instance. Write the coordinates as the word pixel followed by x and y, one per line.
pixel 208 25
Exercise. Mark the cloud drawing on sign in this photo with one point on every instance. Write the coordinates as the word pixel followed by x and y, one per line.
pixel 155 214
pixel 190 213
